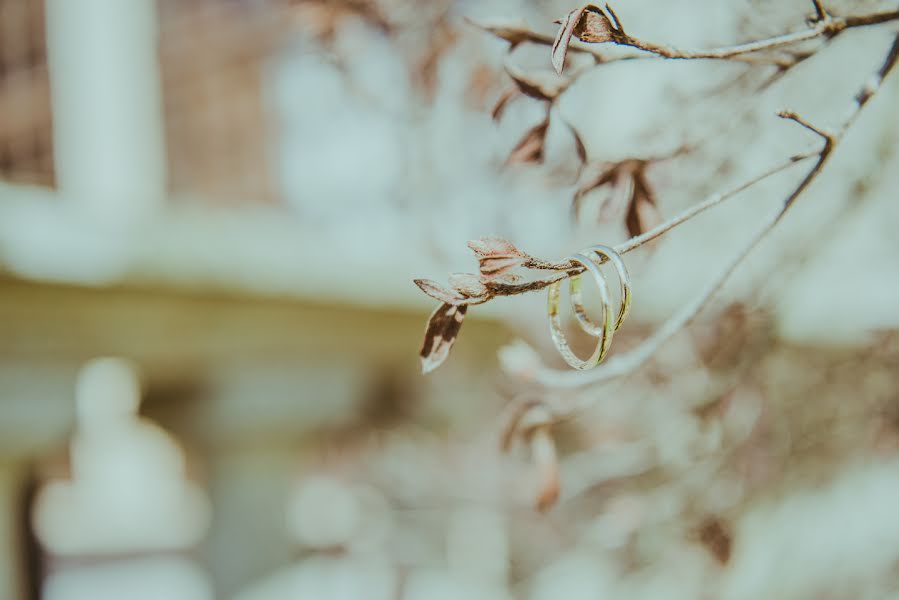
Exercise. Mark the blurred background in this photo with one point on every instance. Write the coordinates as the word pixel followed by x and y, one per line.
pixel 211 213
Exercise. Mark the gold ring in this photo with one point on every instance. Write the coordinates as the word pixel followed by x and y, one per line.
pixel 553 291
pixel 587 324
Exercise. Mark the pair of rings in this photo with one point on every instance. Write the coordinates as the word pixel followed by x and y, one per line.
pixel 590 259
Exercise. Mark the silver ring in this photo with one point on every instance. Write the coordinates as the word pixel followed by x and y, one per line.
pixel 604 333
pixel 577 304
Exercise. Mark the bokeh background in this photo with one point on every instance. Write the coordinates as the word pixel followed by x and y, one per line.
pixel 211 213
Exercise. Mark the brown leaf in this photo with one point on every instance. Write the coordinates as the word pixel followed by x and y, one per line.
pixel 493 246
pixel 544 85
pixel 642 213
pixel 494 268
pixel 503 101
pixel 530 148
pixel 441 39
pixel 579 147
pixel 505 278
pixel 440 335
pixel 588 23
pixel 543 453
pixel 595 26
pixel 468 284
pixel 514 33
pixel 714 535
pixel 496 256
pixel 438 292
pixel 607 177
pixel 629 193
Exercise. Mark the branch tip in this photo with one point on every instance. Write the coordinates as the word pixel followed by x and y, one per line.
pixel 820 12
pixel 792 116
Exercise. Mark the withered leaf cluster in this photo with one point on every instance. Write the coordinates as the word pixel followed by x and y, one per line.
pixel 497 258
pixel 545 87
pixel 627 191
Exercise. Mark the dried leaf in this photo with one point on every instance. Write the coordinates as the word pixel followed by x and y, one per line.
pixel 514 33
pixel 643 217
pixel 505 278
pixel 496 257
pixel 438 292
pixel 579 147
pixel 494 268
pixel 605 176
pixel 440 335
pixel 468 284
pixel 588 23
pixel 717 539
pixel 642 214
pixel 500 106
pixel 530 148
pixel 544 85
pixel 595 26
pixel 493 246
pixel 629 193
pixel 543 452
pixel 441 39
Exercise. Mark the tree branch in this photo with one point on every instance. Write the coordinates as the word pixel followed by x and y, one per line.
pixel 569 269
pixel 627 363
pixel 824 26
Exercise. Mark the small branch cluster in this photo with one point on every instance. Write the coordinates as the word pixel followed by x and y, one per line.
pixel 502 264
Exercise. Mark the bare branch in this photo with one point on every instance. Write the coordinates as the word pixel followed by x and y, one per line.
pixel 569 269
pixel 792 116
pixel 820 12
pixel 822 27
pixel 629 362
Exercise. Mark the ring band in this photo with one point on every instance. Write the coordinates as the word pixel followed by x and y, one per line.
pixel 555 326
pixel 587 324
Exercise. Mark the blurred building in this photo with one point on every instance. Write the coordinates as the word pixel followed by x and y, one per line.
pixel 144 217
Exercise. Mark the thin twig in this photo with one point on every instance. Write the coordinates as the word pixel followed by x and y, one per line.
pixel 566 269
pixel 792 116
pixel 629 362
pixel 820 12
pixel 827 27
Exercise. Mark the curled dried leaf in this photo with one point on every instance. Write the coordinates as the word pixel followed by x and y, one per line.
pixel 500 107
pixel 579 146
pixel 440 335
pixel 543 453
pixel 496 268
pixel 615 181
pixel 468 284
pixel 496 257
pixel 493 246
pixel 588 23
pixel 505 278
pixel 438 292
pixel 541 85
pixel 643 214
pixel 515 32
pixel 628 193
pixel 530 148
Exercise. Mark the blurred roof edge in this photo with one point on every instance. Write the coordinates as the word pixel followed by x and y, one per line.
pixel 257 251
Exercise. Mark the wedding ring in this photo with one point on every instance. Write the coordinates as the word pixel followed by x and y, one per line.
pixel 577 304
pixel 604 333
